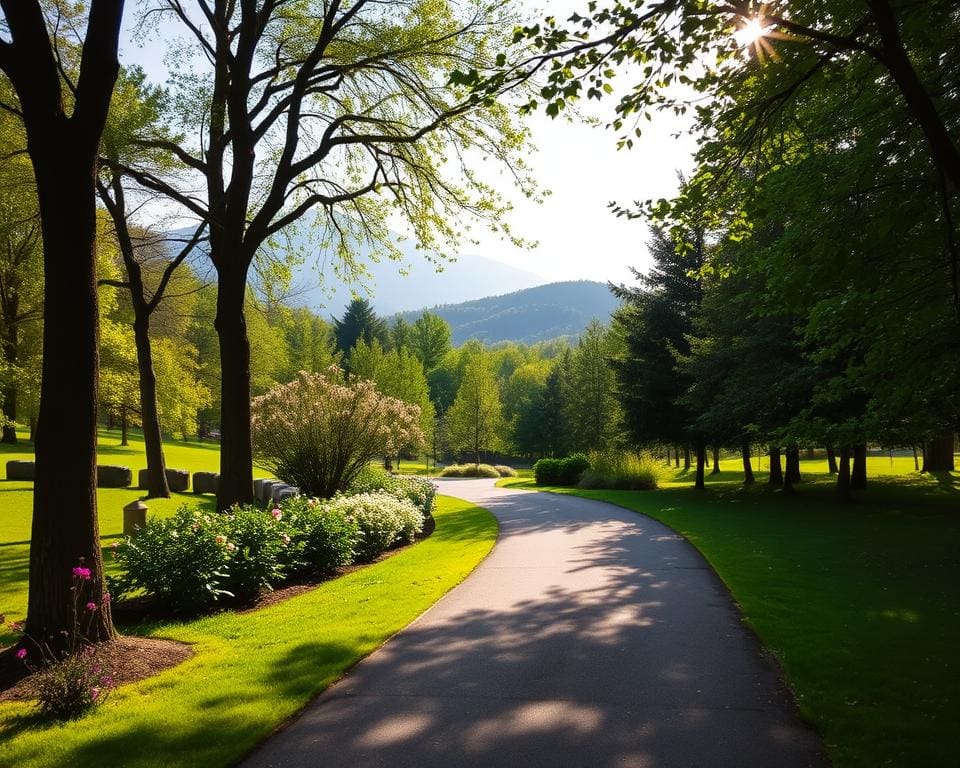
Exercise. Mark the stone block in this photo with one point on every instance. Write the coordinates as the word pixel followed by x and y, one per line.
pixel 206 482
pixel 178 480
pixel 114 476
pixel 20 470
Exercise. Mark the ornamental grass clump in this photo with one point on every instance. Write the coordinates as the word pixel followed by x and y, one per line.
pixel 505 471
pixel 383 520
pixel 469 470
pixel 622 471
pixel 318 433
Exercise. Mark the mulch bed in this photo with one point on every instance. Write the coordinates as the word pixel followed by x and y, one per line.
pixel 135 658
pixel 128 659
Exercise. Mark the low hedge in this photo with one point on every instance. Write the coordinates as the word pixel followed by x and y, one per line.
pixel 566 471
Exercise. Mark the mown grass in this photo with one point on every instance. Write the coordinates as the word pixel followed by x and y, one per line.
pixel 860 602
pixel 254 670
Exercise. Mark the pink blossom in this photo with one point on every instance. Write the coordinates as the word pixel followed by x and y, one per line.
pixel 94 692
pixel 277 514
pixel 285 539
pixel 22 653
pixel 81 572
pixel 106 598
pixel 91 606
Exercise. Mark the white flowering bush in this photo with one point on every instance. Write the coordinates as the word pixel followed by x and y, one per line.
pixel 318 432
pixel 417 490
pixel 383 520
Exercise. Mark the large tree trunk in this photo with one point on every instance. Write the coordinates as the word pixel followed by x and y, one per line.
pixel 716 461
pixel 236 450
pixel 831 460
pixel 916 460
pixel 843 474
pixel 776 468
pixel 699 483
pixel 10 346
pixel 938 454
pixel 676 454
pixel 791 474
pixel 157 486
pixel 686 458
pixel 65 525
pixel 858 477
pixel 748 478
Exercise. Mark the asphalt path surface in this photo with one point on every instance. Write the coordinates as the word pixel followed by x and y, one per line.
pixel 590 636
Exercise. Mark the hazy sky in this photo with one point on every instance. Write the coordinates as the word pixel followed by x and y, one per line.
pixel 576 235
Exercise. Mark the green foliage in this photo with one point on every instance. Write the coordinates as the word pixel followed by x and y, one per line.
pixel 475 420
pixel 419 491
pixel 383 521
pixel 618 470
pixel 70 687
pixel 430 340
pixel 359 324
pixel 256 545
pixel 565 471
pixel 320 538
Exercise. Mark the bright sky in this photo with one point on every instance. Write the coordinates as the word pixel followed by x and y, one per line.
pixel 576 235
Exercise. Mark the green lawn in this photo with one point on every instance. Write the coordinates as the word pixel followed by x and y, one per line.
pixel 254 670
pixel 860 602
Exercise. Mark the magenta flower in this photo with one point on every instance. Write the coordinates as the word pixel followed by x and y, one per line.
pixel 277 514
pixel 91 606
pixel 94 692
pixel 82 573
pixel 22 653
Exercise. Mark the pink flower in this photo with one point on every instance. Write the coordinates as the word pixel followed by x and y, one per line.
pixel 22 653
pixel 82 573
pixel 106 598
pixel 277 514
pixel 285 539
pixel 94 692
pixel 91 606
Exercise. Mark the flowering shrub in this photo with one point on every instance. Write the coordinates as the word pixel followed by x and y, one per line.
pixel 469 470
pixel 318 432
pixel 321 538
pixel 383 521
pixel 417 490
pixel 70 682
pixel 254 543
pixel 70 686
pixel 181 560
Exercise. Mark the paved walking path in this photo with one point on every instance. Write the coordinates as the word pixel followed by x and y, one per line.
pixel 590 637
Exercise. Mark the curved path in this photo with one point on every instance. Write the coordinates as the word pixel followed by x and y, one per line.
pixel 590 636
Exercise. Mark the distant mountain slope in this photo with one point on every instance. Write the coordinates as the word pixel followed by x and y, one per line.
pixel 394 286
pixel 531 315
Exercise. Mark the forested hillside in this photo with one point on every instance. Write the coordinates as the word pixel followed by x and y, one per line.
pixel 531 315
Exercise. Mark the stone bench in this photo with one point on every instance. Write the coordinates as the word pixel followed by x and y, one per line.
pixel 206 482
pixel 114 476
pixel 20 470
pixel 178 480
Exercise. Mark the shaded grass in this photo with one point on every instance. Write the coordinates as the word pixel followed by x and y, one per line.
pixel 254 670
pixel 860 602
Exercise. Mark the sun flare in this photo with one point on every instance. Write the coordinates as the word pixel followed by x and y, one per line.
pixel 750 33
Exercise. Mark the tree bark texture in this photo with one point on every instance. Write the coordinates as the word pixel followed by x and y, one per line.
pixel 858 476
pixel 157 486
pixel 791 474
pixel 748 477
pixel 938 454
pixel 699 483
pixel 63 151
pixel 10 348
pixel 686 458
pixel 716 461
pixel 843 474
pixel 776 467
pixel 236 448
pixel 831 460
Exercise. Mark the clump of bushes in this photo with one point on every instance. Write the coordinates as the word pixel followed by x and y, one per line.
pixel 505 471
pixel 383 520
pixel 192 560
pixel 623 471
pixel 417 490
pixel 469 470
pixel 566 471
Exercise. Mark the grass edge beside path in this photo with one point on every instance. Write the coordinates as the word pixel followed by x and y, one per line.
pixel 859 604
pixel 253 671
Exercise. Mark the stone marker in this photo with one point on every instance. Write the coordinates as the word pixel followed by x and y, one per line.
pixel 114 476
pixel 20 470
pixel 178 480
pixel 205 482
pixel 134 517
